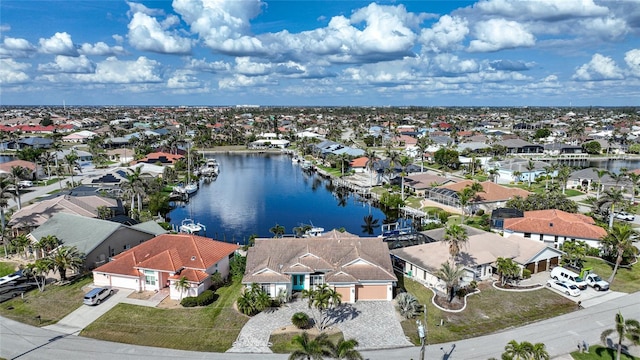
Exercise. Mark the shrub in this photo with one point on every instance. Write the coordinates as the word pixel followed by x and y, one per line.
pixel 189 301
pixel 300 320
pixel 480 212
pixel 526 273
pixel 407 305
pixel 204 299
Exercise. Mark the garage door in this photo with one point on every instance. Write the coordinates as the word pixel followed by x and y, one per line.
pixel 542 265
pixel 531 267
pixel 345 292
pixel 553 262
pixel 371 292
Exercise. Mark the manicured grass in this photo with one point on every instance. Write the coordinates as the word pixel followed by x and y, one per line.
pixel 413 202
pixel 571 192
pixel 486 313
pixel 281 343
pixel 627 279
pixel 598 352
pixel 7 268
pixel 212 328
pixel 56 302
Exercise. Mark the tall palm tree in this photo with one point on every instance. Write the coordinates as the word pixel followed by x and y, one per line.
pixel 137 186
pixel 66 257
pixel 277 230
pixel 539 352
pixel 37 270
pixel 464 197
pixel 346 349
pixel 507 268
pixel 450 274
pixel 18 173
pixel 492 174
pixel 322 298
pixel 343 158
pixel 404 162
pixel 182 285
pixel 46 244
pixel 6 192
pixel 370 164
pixel 455 236
pixel 393 157
pixel 635 182
pixel 619 239
pixel 308 348
pixel 610 199
pixel 422 145
pixel 72 162
pixel 563 176
pixel 600 173
pixel 548 172
pixel 530 167
pixel 626 329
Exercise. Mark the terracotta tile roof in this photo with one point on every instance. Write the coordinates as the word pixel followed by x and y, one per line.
pixel 492 191
pixel 170 253
pixel 22 163
pixel 344 255
pixel 556 222
pixel 359 162
pixel 172 158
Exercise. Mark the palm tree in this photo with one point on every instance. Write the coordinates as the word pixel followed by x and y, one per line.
pixel 600 173
pixel 492 174
pixel 308 348
pixel 322 298
pixel 548 172
pixel 516 175
pixel 346 349
pixel 422 145
pixel 66 257
pixel 611 197
pixel 21 243
pixel 524 351
pixel 46 244
pixel 464 197
pixel 18 173
pixel 37 269
pixel 619 239
pixel 627 329
pixel 394 157
pixel 404 161
pixel 370 164
pixel 563 176
pixel 136 186
pixel 451 275
pixel 635 182
pixel 6 191
pixel 539 352
pixel 343 158
pixel 456 236
pixel 530 167
pixel 277 231
pixel 507 269
pixel 182 285
pixel 72 162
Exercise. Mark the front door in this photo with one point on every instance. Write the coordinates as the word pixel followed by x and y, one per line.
pixel 298 282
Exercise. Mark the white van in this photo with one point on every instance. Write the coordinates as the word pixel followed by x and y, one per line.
pixel 560 273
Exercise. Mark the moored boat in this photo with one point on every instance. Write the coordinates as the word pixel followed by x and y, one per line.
pixel 189 226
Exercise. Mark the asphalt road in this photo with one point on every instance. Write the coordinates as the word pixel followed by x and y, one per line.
pixel 561 336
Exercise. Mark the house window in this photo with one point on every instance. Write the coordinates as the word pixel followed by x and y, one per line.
pixel 127 246
pixel 527 235
pixel 316 280
pixel 149 277
pixel 266 288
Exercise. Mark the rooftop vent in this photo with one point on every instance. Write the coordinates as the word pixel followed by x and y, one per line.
pixel 550 224
pixel 193 258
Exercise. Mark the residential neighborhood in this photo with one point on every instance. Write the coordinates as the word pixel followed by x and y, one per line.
pixel 460 205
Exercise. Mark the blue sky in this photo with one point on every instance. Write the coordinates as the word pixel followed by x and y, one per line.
pixel 329 53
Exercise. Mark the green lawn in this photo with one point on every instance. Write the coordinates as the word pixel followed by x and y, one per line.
pixel 56 302
pixel 627 279
pixel 486 313
pixel 212 328
pixel 7 268
pixel 597 352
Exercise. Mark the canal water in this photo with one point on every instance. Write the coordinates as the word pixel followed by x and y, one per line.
pixel 254 192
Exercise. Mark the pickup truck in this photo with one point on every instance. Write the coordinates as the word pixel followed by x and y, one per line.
pixel 596 282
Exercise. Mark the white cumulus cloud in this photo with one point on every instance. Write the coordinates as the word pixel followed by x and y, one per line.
pixel 551 10
pixel 69 64
pixel 147 34
pixel 447 34
pixel 183 79
pixel 100 49
pixel 498 34
pixel 12 72
pixel 58 44
pixel 599 68
pixel 113 70
pixel 632 58
pixel 16 47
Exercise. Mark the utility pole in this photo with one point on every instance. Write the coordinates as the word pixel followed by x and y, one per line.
pixel 422 333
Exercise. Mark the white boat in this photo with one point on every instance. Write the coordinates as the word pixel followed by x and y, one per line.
pixel 210 168
pixel 314 232
pixel 191 227
pixel 191 188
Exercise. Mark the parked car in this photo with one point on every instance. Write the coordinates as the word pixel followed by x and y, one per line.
pixel 560 273
pixel 25 184
pixel 624 216
pixel 96 295
pixel 564 287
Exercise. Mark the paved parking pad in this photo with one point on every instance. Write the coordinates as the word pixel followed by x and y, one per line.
pixel 373 324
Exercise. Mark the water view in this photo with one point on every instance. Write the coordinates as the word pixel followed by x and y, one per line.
pixel 255 191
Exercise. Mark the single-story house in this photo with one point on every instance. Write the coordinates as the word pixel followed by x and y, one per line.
pixel 79 137
pixel 269 143
pixel 553 227
pixel 519 146
pixel 97 239
pixel 34 215
pixel 419 183
pixel 509 168
pixel 492 197
pixel 477 257
pixel 357 268
pixel 161 157
pixel 588 179
pixel 33 171
pixel 162 261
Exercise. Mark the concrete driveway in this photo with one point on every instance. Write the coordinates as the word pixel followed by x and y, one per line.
pixel 80 318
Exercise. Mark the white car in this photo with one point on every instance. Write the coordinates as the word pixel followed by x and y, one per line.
pixel 624 216
pixel 25 184
pixel 564 287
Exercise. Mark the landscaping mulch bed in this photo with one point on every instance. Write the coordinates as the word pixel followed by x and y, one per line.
pixel 516 287
pixel 443 302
